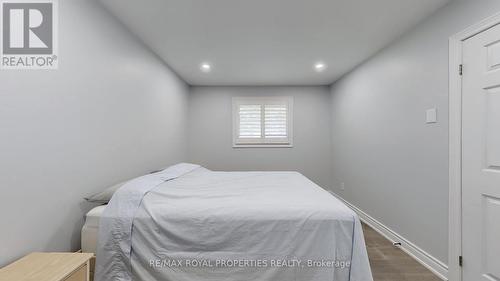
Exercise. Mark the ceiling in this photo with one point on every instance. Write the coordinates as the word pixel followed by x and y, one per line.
pixel 268 42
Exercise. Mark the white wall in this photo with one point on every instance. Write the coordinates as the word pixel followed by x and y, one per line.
pixel 395 167
pixel 210 132
pixel 111 112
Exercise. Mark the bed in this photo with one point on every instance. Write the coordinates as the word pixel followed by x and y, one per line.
pixel 187 223
pixel 91 228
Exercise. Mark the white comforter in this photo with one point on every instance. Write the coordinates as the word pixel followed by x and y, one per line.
pixel 191 224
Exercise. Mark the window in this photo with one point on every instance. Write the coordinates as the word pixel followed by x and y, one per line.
pixel 262 121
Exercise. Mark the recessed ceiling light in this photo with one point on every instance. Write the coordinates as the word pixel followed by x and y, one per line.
pixel 205 67
pixel 319 66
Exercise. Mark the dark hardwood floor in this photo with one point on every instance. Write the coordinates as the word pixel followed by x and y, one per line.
pixel 392 264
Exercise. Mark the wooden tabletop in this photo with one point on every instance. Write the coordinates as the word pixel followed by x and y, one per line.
pixel 44 266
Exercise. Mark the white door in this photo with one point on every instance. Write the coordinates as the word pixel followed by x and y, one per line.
pixel 481 157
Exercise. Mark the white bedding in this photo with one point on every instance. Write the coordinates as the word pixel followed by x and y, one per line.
pixel 202 225
pixel 91 228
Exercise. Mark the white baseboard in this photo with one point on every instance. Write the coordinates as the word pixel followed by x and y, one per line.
pixel 424 258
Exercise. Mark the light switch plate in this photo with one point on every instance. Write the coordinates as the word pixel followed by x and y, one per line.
pixel 431 115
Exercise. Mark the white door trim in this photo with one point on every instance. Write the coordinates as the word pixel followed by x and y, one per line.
pixel 455 142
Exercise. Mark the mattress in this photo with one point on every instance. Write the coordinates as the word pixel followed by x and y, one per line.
pixel 91 228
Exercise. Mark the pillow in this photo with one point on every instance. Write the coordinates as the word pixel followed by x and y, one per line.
pixel 105 195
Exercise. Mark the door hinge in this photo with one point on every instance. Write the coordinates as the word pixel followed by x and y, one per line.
pixel 460 260
pixel 461 69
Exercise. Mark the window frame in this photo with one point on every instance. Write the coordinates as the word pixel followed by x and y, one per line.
pixel 262 141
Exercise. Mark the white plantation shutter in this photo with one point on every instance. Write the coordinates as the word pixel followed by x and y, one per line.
pixel 250 121
pixel 262 121
pixel 275 121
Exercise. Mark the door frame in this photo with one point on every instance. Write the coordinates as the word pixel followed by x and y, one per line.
pixel 455 141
